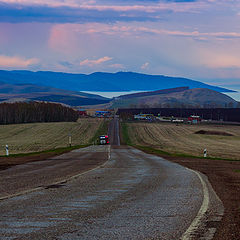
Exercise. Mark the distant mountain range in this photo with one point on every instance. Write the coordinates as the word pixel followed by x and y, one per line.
pixel 65 88
pixel 100 81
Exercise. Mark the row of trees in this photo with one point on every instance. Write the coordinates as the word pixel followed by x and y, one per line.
pixel 29 112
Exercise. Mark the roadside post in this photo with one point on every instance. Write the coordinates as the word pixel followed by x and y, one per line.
pixel 7 151
pixel 109 153
pixel 70 139
pixel 205 153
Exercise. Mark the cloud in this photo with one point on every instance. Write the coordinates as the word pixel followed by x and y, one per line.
pixel 70 11
pixel 66 64
pixel 145 65
pixel 91 63
pixel 124 30
pixel 16 62
pixel 117 65
pixel 143 6
pixel 193 34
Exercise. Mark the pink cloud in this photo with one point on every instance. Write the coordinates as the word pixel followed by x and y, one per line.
pixel 91 63
pixel 16 62
pixel 145 65
pixel 116 65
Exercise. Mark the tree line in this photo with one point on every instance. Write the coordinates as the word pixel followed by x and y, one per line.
pixel 30 112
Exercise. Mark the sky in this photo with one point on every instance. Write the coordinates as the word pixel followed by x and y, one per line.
pixel 197 39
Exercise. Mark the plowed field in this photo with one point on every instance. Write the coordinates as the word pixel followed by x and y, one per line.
pixel 224 143
pixel 32 137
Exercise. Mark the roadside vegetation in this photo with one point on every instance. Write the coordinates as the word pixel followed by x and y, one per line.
pixel 38 137
pixel 124 134
pixel 184 140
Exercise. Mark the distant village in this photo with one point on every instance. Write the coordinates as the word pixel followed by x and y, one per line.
pixel 188 116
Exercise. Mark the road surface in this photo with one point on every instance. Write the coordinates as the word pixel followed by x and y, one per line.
pixel 133 195
pixel 114 132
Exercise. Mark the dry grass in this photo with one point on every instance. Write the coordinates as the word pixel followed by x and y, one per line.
pixel 182 139
pixel 22 138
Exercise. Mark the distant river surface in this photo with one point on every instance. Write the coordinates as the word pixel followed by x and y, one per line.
pixel 235 96
pixel 112 94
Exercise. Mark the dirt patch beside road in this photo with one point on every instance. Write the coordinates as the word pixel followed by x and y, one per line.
pixel 214 133
pixel 225 180
pixel 6 162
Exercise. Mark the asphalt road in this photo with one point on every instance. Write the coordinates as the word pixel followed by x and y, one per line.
pixel 131 196
pixel 114 132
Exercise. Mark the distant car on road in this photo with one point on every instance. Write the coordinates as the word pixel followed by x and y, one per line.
pixel 103 139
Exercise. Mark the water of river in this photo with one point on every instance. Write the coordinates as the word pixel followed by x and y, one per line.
pixel 112 94
pixel 235 95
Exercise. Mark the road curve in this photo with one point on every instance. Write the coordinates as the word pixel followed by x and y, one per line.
pixel 132 196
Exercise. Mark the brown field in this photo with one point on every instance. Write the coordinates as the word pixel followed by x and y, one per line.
pixel 181 138
pixel 32 137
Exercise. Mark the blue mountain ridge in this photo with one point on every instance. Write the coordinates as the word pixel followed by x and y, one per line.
pixel 102 81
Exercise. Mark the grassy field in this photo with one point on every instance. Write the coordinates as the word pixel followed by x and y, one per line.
pixel 33 137
pixel 181 139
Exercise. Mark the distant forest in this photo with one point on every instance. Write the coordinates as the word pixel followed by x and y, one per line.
pixel 22 112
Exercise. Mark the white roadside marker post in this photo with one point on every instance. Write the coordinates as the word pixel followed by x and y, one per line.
pixel 7 151
pixel 205 153
pixel 70 139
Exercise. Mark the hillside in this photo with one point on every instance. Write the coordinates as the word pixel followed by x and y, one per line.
pixel 100 81
pixel 182 97
pixel 30 92
pixel 153 93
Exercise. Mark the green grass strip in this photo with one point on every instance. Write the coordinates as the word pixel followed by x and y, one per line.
pixel 151 150
pixel 125 136
pixel 56 151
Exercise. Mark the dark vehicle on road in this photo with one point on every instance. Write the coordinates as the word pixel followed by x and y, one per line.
pixel 103 139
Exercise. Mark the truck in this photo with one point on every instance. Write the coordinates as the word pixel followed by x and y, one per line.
pixel 103 139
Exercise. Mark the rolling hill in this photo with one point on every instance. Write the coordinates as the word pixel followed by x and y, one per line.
pixel 30 92
pixel 177 97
